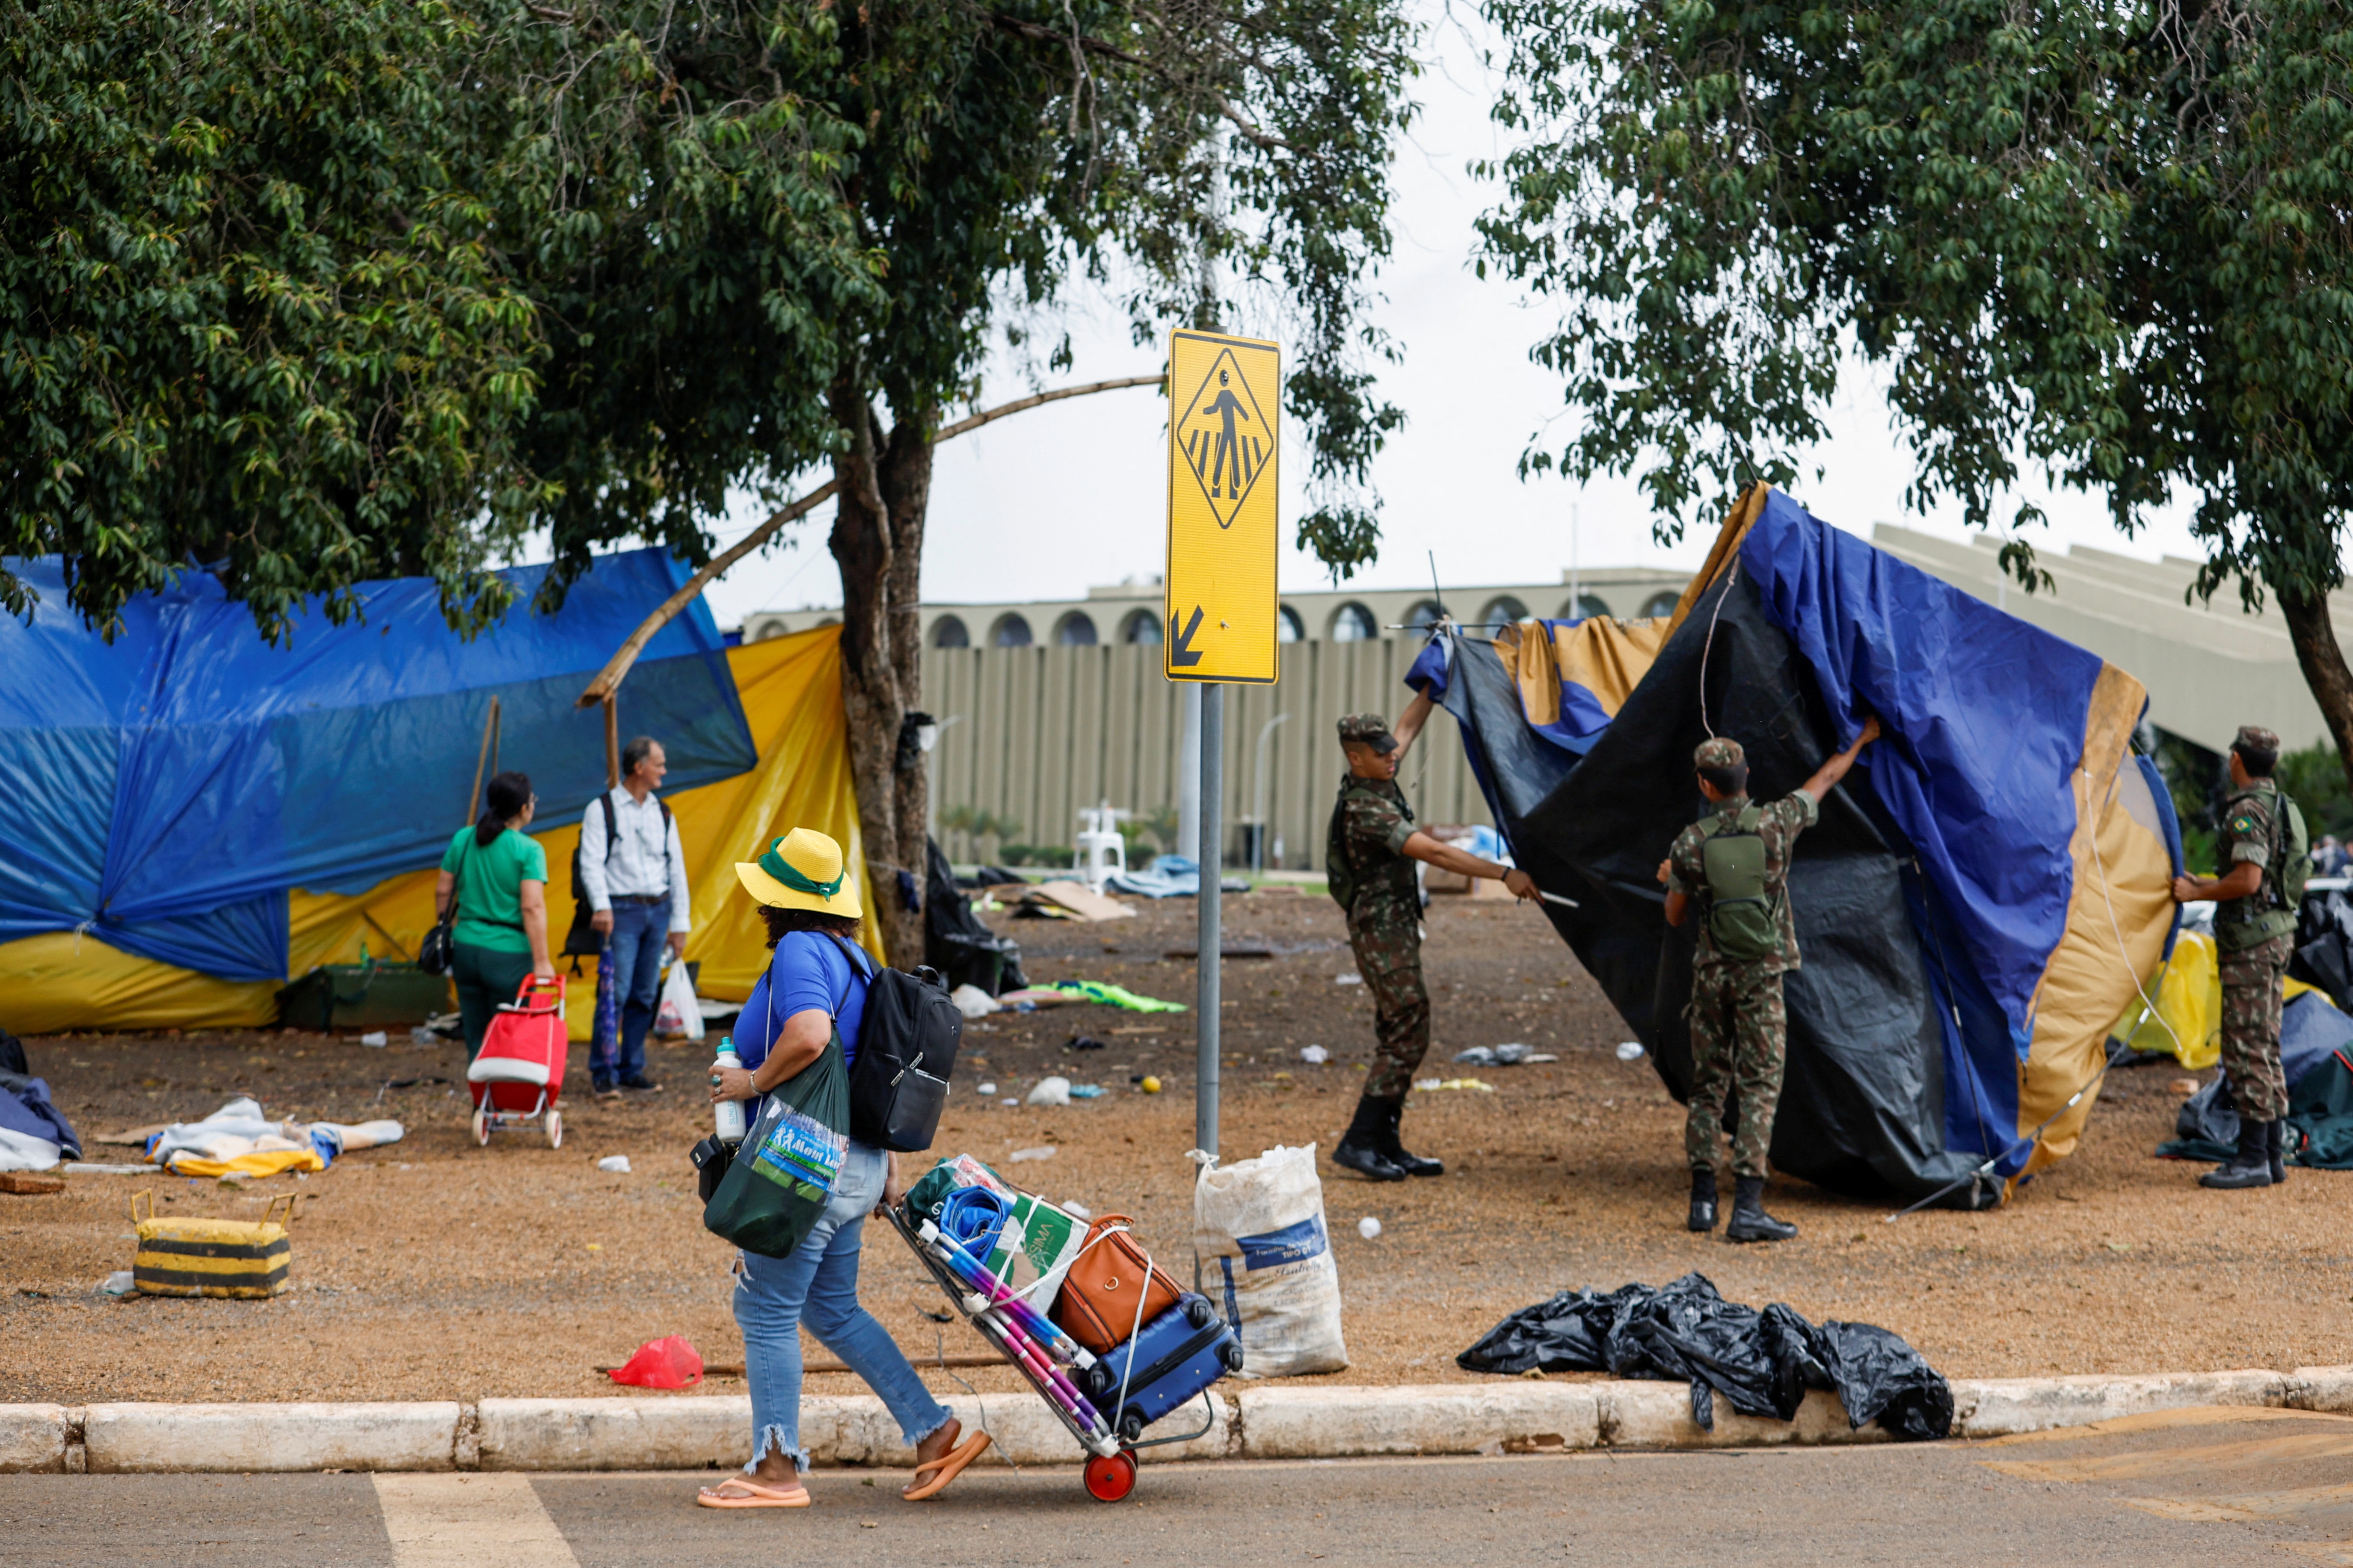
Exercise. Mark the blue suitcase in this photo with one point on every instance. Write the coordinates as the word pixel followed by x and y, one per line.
pixel 1175 1357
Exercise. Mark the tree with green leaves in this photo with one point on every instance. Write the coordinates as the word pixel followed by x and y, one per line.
pixel 2115 238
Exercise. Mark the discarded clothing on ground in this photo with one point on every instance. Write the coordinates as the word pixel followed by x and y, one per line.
pixel 1112 995
pixel 956 944
pixel 239 1140
pixel 1169 876
pixel 1762 1362
pixel 34 1134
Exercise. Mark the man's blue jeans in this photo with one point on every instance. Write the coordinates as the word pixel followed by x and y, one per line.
pixel 638 932
pixel 818 1285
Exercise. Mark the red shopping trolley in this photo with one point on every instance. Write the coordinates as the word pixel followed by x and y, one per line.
pixel 519 1075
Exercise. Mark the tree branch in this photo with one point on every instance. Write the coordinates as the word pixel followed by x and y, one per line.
pixel 616 668
pixel 1265 141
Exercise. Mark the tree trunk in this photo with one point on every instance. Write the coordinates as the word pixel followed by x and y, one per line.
pixel 877 542
pixel 2322 660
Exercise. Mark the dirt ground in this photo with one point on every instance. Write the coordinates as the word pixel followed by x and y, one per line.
pixel 435 1270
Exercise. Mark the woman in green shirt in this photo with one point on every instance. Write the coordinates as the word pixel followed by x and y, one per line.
pixel 498 875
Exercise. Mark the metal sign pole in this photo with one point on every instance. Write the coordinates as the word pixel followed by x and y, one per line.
pixel 1211 946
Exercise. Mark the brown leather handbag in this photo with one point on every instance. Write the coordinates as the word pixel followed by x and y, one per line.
pixel 1097 1306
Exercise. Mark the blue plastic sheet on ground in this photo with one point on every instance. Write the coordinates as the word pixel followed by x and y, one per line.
pixel 177 781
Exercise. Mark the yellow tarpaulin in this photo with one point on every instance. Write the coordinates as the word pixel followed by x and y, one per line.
pixel 2187 1024
pixel 791 690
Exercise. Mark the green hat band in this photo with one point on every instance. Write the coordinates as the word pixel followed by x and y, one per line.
pixel 776 865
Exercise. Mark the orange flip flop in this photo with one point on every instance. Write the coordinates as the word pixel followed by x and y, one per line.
pixel 948 1467
pixel 751 1494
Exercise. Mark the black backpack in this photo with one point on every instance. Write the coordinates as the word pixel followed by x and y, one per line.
pixel 583 941
pixel 907 1042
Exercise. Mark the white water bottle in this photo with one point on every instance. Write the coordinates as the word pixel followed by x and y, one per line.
pixel 729 1113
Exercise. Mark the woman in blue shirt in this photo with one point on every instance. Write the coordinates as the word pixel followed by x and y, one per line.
pixel 815 985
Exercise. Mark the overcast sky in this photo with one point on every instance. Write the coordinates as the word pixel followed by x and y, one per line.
pixel 1049 502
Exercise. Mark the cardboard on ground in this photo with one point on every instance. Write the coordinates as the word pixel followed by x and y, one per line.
pixel 1224 435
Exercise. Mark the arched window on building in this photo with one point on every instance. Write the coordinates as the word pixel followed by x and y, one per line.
pixel 1141 627
pixel 1354 623
pixel 1501 612
pixel 1658 606
pixel 949 631
pixel 1010 631
pixel 1288 627
pixel 1421 617
pixel 1076 629
pixel 1584 608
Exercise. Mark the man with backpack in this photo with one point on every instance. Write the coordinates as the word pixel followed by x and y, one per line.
pixel 2264 845
pixel 1735 862
pixel 630 877
pixel 1368 859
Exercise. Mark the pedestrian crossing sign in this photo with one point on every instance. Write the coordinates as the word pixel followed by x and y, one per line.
pixel 1223 508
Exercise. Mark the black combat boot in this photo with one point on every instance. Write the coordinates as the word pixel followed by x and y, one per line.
pixel 1359 1148
pixel 1395 1153
pixel 1703 1209
pixel 2251 1165
pixel 1749 1220
pixel 2276 1142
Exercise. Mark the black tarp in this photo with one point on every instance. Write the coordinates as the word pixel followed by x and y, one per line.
pixel 956 941
pixel 1862 1103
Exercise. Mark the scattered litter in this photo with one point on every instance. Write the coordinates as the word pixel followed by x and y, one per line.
pixel 1023 1156
pixel 1429 1084
pixel 80 1169
pixel 375 1037
pixel 1477 1056
pixel 1029 998
pixel 1368 1227
pixel 1064 899
pixel 1083 1043
pixel 1087 1091
pixel 1053 1090
pixel 974 1002
pixel 119 1283
pixel 1761 1362
pixel 2183 1088
pixel 1150 1084
pixel 1078 1211
pixel 989 1089
pixel 1351 978
pixel 667 1363
pixel 1314 1055
pixel 1010 1101
pixel 1630 1051
pixel 26 1184
pixel 619 1165
pixel 1537 1058
pixel 423 1034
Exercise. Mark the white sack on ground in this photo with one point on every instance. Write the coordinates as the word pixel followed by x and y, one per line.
pixel 1258 1227
pixel 23 1152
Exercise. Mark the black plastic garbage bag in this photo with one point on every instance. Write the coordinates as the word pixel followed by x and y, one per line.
pixel 956 944
pixel 1762 1362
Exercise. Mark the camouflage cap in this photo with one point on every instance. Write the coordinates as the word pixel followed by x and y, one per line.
pixel 1721 752
pixel 1369 730
pixel 2256 738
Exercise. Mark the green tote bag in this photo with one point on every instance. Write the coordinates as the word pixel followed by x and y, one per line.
pixel 783 1175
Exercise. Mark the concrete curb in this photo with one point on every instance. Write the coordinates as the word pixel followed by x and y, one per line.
pixel 710 1432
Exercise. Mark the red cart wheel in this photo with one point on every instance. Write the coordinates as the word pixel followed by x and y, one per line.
pixel 1110 1479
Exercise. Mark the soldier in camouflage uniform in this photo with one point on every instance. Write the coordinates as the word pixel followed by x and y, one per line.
pixel 2254 935
pixel 1369 855
pixel 1739 1026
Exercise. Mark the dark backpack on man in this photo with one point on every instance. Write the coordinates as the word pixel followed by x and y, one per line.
pixel 907 1042
pixel 584 941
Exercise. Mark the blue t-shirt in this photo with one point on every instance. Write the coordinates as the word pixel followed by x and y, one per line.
pixel 807 970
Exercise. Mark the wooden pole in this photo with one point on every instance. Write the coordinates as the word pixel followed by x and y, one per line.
pixel 612 744
pixel 608 680
pixel 481 760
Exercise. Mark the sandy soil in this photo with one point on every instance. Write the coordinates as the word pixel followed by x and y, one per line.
pixel 435 1270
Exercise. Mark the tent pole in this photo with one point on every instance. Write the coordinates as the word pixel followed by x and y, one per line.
pixel 482 759
pixel 612 744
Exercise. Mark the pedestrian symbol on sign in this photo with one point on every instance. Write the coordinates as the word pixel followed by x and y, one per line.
pixel 1223 436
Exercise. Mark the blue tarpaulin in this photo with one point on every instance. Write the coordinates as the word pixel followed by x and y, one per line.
pixel 170 787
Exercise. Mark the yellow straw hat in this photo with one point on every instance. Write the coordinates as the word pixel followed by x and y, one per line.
pixel 802 870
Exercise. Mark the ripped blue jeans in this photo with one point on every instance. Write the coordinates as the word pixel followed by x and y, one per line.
pixel 818 1285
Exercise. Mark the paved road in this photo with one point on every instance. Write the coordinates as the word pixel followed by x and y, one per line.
pixel 2197 1489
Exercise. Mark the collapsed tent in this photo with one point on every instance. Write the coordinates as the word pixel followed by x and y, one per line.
pixel 203 817
pixel 1974 909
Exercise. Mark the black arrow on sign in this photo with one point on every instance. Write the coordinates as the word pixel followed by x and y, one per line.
pixel 1182 655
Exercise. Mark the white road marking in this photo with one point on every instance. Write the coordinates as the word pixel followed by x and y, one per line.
pixel 469 1521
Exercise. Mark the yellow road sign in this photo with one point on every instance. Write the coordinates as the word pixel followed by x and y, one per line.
pixel 1224 433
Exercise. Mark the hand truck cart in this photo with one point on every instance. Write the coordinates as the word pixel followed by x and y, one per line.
pixel 1040 1352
